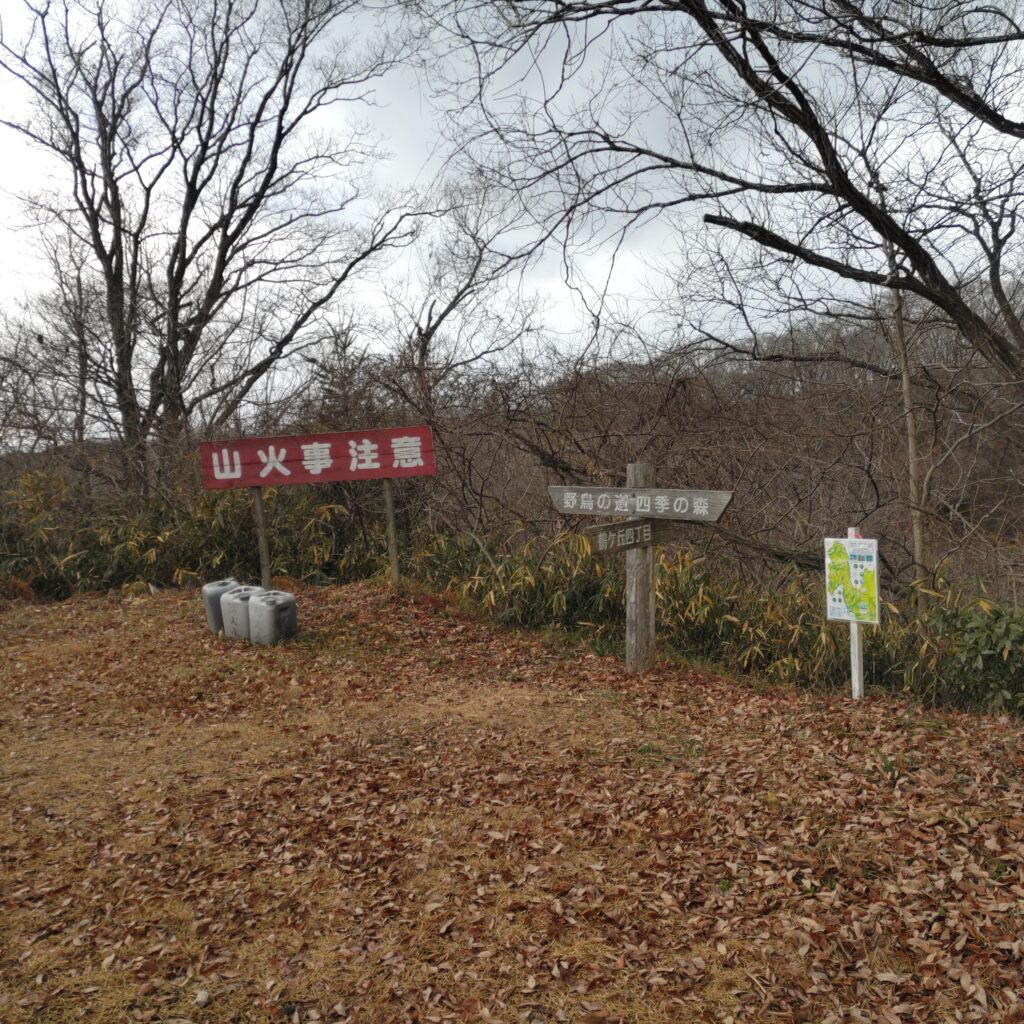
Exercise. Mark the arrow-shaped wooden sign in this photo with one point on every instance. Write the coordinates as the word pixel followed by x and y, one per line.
pixel 642 502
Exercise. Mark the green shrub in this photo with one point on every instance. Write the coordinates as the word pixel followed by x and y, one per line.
pixel 971 653
pixel 961 652
pixel 541 583
pixel 48 544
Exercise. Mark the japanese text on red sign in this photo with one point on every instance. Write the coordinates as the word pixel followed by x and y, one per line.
pixel 318 458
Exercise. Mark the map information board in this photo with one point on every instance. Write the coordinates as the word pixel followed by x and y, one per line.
pixel 851 579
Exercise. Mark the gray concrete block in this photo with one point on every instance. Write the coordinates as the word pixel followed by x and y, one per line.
pixel 273 616
pixel 212 593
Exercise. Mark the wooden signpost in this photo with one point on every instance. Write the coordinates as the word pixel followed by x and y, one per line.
pixel 255 462
pixel 653 511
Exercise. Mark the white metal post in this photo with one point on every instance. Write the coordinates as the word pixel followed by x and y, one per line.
pixel 857 660
pixel 856 645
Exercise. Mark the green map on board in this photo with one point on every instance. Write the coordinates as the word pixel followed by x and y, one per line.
pixel 851 579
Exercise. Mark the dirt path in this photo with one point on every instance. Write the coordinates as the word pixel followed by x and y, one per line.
pixel 406 815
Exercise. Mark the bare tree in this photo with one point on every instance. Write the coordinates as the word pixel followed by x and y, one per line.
pixel 213 185
pixel 30 416
pixel 874 144
pixel 462 303
pixel 454 315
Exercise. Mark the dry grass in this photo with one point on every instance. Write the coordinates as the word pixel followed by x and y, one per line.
pixel 405 815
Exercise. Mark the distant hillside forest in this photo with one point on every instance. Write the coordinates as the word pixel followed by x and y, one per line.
pixel 810 431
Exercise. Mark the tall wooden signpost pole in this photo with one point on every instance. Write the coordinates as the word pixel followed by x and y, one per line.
pixel 640 587
pixel 656 512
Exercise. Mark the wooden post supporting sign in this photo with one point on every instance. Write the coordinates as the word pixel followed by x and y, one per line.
pixel 261 536
pixel 389 514
pixel 640 588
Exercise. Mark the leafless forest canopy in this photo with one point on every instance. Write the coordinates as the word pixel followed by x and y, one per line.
pixel 827 194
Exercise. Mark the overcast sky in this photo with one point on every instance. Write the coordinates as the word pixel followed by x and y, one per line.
pixel 406 121
pixel 24 167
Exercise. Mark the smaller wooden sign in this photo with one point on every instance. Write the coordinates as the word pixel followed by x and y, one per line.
pixel 646 502
pixel 607 538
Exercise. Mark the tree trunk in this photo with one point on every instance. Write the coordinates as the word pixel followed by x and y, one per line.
pixel 914 495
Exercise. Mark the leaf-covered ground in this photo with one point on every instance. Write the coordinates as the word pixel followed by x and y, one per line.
pixel 408 815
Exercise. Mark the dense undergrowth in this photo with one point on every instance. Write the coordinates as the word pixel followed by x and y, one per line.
pixel 961 651
pixel 55 548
